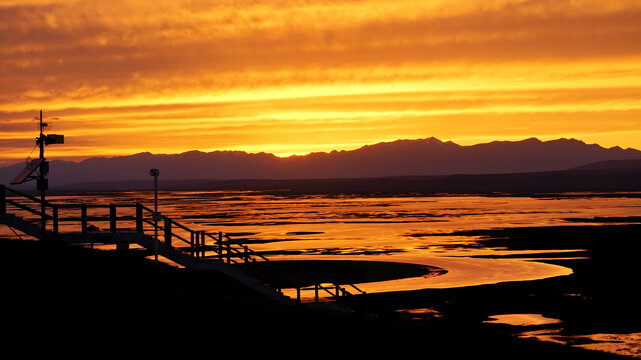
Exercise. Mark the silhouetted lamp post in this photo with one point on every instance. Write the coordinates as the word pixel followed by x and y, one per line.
pixel 156 215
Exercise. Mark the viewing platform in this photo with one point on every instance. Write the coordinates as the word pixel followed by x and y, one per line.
pixel 129 226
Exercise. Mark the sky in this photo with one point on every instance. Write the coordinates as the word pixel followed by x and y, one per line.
pixel 289 77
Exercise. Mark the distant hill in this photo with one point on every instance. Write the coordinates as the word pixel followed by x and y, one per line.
pixel 401 158
pixel 616 180
pixel 611 164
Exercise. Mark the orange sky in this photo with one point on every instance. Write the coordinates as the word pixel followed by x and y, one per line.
pixel 292 77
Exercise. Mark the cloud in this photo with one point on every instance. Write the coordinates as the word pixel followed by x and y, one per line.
pixel 96 43
pixel 139 71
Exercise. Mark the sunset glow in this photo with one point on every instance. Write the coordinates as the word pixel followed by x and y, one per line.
pixel 286 77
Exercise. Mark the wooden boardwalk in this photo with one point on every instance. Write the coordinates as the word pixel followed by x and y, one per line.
pixel 132 224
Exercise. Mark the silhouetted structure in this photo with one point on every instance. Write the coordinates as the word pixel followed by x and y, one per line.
pixel 43 168
pixel 194 249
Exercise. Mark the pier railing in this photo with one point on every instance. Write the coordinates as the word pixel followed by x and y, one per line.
pixel 334 290
pixel 41 213
pixel 137 218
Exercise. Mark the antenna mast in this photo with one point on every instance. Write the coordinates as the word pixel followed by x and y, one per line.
pixel 43 168
pixel 42 179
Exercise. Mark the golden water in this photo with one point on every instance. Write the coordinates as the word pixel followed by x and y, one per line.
pixel 396 229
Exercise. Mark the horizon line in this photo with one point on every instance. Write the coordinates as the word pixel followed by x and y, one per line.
pixel 292 155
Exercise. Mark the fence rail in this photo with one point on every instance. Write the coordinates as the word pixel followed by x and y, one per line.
pixel 221 247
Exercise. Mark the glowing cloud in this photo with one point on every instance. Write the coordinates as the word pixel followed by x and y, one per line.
pixel 294 77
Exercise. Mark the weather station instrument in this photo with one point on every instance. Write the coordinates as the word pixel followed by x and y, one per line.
pixel 37 169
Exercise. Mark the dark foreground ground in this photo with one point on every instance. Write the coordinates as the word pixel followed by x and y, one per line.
pixel 63 299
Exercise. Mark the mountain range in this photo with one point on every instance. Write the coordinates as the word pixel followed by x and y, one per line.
pixel 401 158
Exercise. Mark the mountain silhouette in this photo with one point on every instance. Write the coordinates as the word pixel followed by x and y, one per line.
pixel 421 157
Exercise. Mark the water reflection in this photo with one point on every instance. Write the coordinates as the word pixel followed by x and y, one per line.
pixel 620 344
pixel 379 228
pixel 396 229
pixel 460 271
pixel 522 319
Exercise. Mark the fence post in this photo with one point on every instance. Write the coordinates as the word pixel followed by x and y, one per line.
pixel 43 219
pixel 83 219
pixel 316 291
pixel 139 217
pixel 168 231
pixel 3 200
pixel 220 245
pixel 83 222
pixel 191 243
pixel 55 221
pixel 120 245
pixel 228 251
pixel 246 254
pixel 194 248
pixel 112 217
pixel 337 291
pixel 202 240
pixel 196 241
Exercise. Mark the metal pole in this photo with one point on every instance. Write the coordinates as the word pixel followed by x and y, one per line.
pixel 42 180
pixel 139 218
pixel 156 218
pixel 55 221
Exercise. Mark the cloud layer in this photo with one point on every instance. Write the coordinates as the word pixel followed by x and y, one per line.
pixel 294 77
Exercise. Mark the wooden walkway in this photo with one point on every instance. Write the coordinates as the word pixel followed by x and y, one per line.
pixel 132 224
